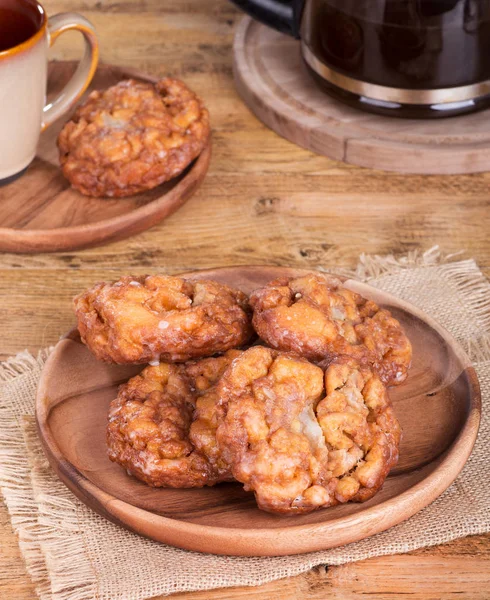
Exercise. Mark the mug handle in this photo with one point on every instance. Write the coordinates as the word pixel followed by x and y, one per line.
pixel 85 70
pixel 283 15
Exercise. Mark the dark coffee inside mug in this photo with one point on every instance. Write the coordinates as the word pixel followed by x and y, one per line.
pixel 409 58
pixel 19 21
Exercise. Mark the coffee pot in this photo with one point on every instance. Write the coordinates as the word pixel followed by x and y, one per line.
pixel 407 58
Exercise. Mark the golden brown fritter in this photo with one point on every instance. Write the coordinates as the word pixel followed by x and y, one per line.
pixel 132 137
pixel 294 447
pixel 316 317
pixel 152 318
pixel 360 429
pixel 269 434
pixel 149 423
pixel 203 374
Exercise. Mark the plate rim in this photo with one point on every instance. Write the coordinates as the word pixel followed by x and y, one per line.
pixel 274 541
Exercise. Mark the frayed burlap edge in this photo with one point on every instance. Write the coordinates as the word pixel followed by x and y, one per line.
pixel 40 515
pixel 22 364
pixel 15 477
pixel 463 275
pixel 60 530
pixel 374 266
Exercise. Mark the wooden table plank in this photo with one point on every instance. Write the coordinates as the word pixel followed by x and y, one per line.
pixel 264 201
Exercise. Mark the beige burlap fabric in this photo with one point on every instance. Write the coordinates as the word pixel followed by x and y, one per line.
pixel 73 554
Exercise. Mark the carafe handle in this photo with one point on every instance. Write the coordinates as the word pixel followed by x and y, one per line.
pixel 283 15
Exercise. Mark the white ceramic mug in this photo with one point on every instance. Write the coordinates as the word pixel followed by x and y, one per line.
pixel 23 78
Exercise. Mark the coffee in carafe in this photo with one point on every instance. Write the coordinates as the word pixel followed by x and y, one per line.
pixel 412 58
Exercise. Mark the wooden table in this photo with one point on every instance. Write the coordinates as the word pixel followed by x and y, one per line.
pixel 264 201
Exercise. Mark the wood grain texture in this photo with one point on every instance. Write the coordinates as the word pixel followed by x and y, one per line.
pixel 264 200
pixel 71 413
pixel 41 212
pixel 272 79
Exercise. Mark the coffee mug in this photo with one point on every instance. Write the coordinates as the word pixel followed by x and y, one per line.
pixel 25 37
pixel 409 58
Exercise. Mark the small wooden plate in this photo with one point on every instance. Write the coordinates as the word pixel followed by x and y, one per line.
pixel 438 407
pixel 40 212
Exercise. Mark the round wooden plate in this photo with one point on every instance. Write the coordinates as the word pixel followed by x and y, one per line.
pixel 273 82
pixel 438 407
pixel 40 212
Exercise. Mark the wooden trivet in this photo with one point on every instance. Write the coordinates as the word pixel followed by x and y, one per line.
pixel 40 212
pixel 274 83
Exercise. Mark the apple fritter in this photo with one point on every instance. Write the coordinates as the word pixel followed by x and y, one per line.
pixel 360 429
pixel 150 421
pixel 204 373
pixel 296 448
pixel 156 318
pixel 132 137
pixel 318 318
pixel 269 434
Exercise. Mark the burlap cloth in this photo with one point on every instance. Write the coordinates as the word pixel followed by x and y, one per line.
pixel 73 554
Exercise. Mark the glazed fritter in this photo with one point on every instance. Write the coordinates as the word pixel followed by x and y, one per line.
pixel 150 421
pixel 296 448
pixel 204 373
pixel 269 434
pixel 156 318
pixel 132 137
pixel 318 318
pixel 360 428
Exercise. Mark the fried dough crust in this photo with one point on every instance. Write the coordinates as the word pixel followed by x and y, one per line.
pixel 132 137
pixel 296 448
pixel 267 434
pixel 150 421
pixel 318 318
pixel 204 374
pixel 152 318
pixel 360 428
